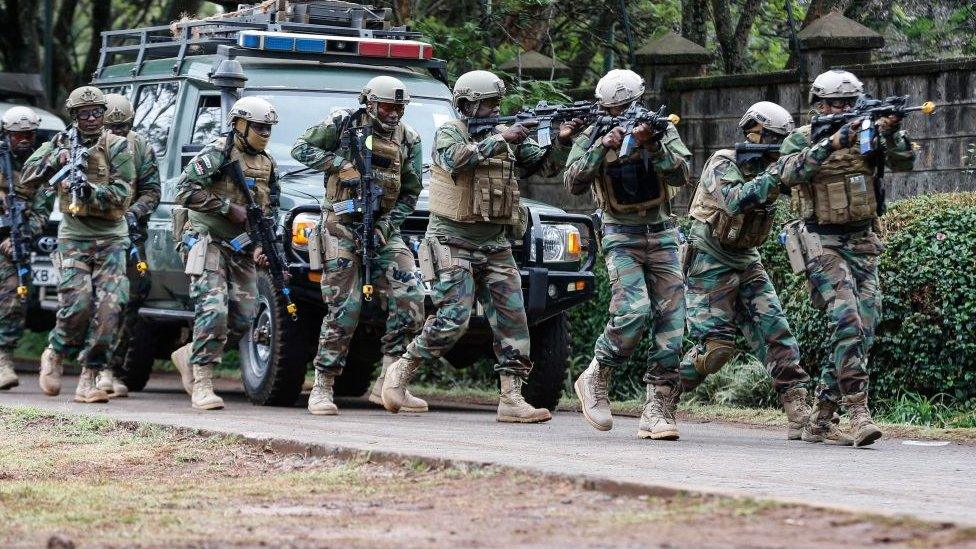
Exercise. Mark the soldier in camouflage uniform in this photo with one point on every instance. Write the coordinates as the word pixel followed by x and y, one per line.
pixel 223 273
pixel 726 285
pixel 640 244
pixel 397 165
pixel 19 128
pixel 474 204
pixel 841 247
pixel 118 119
pixel 92 240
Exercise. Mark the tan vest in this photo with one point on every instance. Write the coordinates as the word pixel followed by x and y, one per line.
pixel 99 173
pixel 841 192
pixel 625 186
pixel 486 193
pixel 387 165
pixel 256 166
pixel 737 232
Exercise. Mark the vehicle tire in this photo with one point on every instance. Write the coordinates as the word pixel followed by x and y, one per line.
pixel 550 360
pixel 273 363
pixel 139 356
pixel 361 368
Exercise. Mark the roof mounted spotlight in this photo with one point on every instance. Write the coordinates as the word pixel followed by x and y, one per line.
pixel 230 78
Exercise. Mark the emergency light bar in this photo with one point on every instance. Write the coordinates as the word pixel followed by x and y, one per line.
pixel 334 45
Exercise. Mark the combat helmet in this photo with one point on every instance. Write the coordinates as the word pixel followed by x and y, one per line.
pixel 835 83
pixel 770 116
pixel 20 119
pixel 619 87
pixel 118 109
pixel 476 86
pixel 85 96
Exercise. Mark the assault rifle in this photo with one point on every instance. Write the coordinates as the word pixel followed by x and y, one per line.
pixel 544 115
pixel 137 236
pixel 261 230
pixel 868 110
pixel 15 220
pixel 366 202
pixel 750 152
pixel 75 171
pixel 630 119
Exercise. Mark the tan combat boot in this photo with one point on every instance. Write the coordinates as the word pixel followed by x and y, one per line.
pixel 863 427
pixel 86 391
pixel 657 421
pixel 51 370
pixel 203 397
pixel 398 376
pixel 119 389
pixel 512 407
pixel 320 401
pixel 797 412
pixel 411 403
pixel 181 359
pixel 822 427
pixel 8 377
pixel 591 389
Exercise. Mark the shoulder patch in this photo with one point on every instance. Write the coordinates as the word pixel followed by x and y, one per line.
pixel 206 162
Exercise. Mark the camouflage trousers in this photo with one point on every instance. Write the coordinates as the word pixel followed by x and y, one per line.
pixel 646 286
pixel 138 291
pixel 491 277
pixel 11 306
pixel 91 294
pixel 844 282
pixel 722 300
pixel 225 303
pixel 396 280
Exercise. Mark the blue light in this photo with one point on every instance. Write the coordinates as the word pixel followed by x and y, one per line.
pixel 250 41
pixel 309 45
pixel 279 43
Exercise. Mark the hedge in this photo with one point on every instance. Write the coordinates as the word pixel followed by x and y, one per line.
pixel 926 342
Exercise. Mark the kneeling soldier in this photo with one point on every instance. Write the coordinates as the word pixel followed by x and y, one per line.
pixel 223 274
pixel 727 286
pixel 336 147
pixel 474 204
pixel 640 244
pixel 92 239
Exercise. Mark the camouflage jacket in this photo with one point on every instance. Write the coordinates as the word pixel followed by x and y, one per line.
pixel 45 162
pixel 741 195
pixel 671 163
pixel 454 151
pixel 147 187
pixel 319 148
pixel 801 159
pixel 208 209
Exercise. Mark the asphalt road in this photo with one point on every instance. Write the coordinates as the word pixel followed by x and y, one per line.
pixel 892 477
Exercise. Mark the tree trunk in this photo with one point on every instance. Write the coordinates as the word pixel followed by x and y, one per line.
pixel 64 71
pixel 101 20
pixel 733 42
pixel 20 37
pixel 694 21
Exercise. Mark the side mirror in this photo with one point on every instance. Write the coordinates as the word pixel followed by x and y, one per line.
pixel 187 152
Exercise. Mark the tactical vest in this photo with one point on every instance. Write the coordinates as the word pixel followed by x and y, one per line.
pixel 841 192
pixel 736 232
pixel 257 166
pixel 627 185
pixel 387 160
pixel 486 193
pixel 99 173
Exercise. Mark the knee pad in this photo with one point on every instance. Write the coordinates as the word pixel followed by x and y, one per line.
pixel 717 353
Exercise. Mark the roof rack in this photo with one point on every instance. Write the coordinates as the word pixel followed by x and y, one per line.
pixel 204 36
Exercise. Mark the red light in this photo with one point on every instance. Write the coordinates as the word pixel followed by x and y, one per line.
pixel 428 51
pixel 374 49
pixel 405 51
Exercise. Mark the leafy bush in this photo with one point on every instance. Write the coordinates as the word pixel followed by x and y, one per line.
pixel 926 342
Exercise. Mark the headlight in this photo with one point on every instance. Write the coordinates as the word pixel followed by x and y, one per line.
pixel 301 228
pixel 560 244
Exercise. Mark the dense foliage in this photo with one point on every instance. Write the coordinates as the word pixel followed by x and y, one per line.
pixel 926 343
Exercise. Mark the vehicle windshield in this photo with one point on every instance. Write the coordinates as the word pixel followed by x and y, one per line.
pixel 297 111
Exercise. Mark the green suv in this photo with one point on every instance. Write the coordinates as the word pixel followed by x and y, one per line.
pixel 307 64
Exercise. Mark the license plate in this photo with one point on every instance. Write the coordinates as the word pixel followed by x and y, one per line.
pixel 44 275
